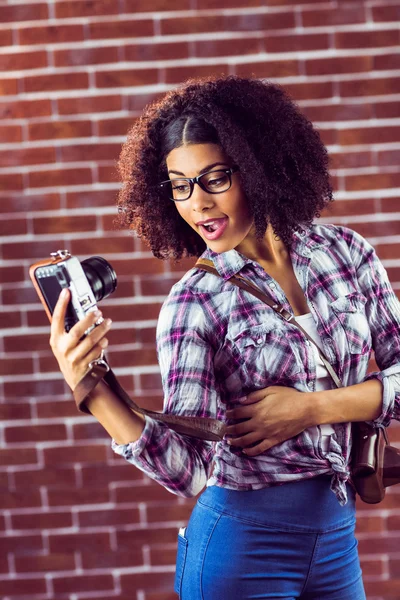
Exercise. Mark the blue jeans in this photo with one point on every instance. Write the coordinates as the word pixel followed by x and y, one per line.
pixel 290 542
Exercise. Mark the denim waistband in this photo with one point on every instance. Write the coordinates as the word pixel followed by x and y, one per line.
pixel 307 505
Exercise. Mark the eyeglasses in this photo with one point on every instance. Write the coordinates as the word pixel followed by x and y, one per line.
pixel 212 182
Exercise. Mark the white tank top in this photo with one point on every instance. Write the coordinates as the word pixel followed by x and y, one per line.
pixel 323 381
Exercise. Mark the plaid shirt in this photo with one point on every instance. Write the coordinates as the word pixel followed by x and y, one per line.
pixel 217 343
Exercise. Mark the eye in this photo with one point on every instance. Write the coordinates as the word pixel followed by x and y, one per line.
pixel 217 180
pixel 180 186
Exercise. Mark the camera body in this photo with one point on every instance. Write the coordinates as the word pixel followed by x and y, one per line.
pixel 88 282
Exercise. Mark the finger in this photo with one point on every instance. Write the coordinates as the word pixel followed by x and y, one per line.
pixel 78 330
pixel 244 440
pixel 256 396
pixel 240 412
pixel 260 448
pixel 94 338
pixel 238 429
pixel 57 321
pixel 95 351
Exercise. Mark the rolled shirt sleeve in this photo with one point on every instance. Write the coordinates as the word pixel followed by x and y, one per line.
pixel 179 463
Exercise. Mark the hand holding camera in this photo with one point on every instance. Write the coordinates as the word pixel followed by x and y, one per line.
pixel 69 291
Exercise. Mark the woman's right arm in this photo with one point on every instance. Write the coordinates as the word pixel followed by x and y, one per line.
pixel 177 462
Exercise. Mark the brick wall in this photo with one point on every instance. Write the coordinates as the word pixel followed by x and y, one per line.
pixel 77 522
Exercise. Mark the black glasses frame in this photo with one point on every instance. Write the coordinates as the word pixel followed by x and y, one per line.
pixel 192 180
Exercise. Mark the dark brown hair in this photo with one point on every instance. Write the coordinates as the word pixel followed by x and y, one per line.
pixel 282 160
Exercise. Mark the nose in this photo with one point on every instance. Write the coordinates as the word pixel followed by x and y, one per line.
pixel 201 200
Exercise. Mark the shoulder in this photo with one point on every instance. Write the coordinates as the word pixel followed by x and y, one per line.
pixel 344 240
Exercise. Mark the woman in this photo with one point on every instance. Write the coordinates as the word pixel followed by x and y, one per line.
pixel 229 168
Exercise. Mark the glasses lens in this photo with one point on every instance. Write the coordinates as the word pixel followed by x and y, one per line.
pixel 179 189
pixel 216 181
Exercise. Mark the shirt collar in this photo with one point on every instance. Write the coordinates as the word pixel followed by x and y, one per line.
pixel 232 262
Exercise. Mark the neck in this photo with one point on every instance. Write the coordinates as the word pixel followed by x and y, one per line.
pixel 269 250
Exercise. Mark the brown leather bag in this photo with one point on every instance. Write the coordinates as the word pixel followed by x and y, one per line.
pixel 375 464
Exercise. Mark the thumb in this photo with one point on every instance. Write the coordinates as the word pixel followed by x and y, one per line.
pixel 256 396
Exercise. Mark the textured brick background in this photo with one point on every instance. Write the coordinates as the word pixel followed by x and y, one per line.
pixel 76 521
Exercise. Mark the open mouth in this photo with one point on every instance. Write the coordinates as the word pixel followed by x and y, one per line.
pixel 212 230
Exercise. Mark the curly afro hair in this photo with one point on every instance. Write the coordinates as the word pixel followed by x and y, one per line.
pixel 282 160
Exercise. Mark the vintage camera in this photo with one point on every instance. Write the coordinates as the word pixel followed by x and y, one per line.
pixel 89 282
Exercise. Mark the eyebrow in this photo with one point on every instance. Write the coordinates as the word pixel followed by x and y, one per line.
pixel 204 170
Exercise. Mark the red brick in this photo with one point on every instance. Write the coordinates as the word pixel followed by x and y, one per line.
pixel 207 4
pixel 338 112
pixel 246 22
pixel 121 29
pixel 370 524
pixel 295 43
pixel 106 474
pixel 36 520
pixel 87 431
pixel 150 381
pixel 116 126
pixel 386 110
pixel 165 556
pixel 13 227
pixel 137 102
pixel 173 512
pixel 108 517
pixel 77 497
pixel 35 433
pixel 310 91
pixel 45 563
pixel 30 202
pixel 20 499
pixel 62 177
pixel 11 274
pixel 90 104
pixel 21 296
pixel 393 522
pixel 38 389
pixel 117 560
pixel 19 61
pixel 370 87
pixel 15 366
pixel 39 319
pixel 8 87
pixel 155 287
pixel 65 224
pixel 373 567
pixel 27 156
pixel 75 454
pixel 91 199
pixel 17 587
pixel 23 12
pixel 59 130
pixel 280 68
pixel 166 51
pixel 178 74
pixel 103 246
pixel 331 16
pixel 341 208
pixel 372 182
pixel 49 410
pixel 12 181
pixel 143 493
pixel 338 65
pixel 377 228
pixel 85 8
pixel 350 160
pixel 386 13
pixel 389 158
pixel 24 109
pixel 14 411
pixel 383 588
pixel 86 56
pixel 369 135
pixel 51 34
pixel 83 583
pixel 58 81
pixel 165 595
pixel 134 538
pixel 10 133
pixel 74 542
pixel 394 567
pixel 386 62
pixel 366 39
pixel 6 38
pixel 209 48
pixel 8 319
pixel 107 174
pixel 126 78
pixel 52 477
pixel 149 581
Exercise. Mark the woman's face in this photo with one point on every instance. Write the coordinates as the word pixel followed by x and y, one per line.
pixel 222 220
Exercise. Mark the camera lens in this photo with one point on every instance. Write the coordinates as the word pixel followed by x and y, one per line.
pixel 101 276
